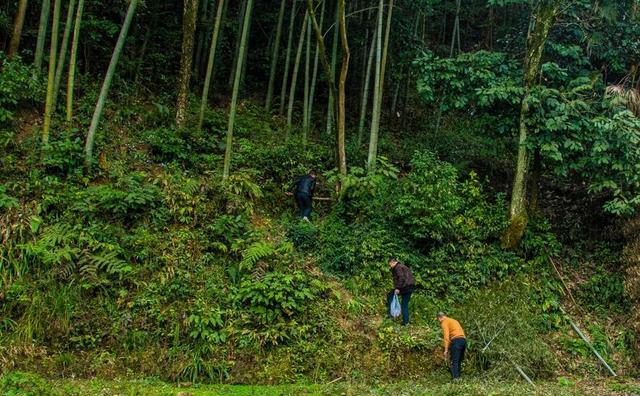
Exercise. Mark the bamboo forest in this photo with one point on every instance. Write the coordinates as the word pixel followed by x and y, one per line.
pixel 319 197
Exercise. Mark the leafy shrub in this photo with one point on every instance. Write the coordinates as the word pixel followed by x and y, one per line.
pixel 434 207
pixel 24 384
pixel 63 157
pixel 19 83
pixel 127 197
pixel 273 302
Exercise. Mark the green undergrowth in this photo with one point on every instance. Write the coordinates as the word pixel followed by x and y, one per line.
pixel 156 267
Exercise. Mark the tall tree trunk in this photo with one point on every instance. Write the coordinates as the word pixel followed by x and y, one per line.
pixel 72 61
pixel 236 89
pixel 63 51
pixel 367 83
pixel 210 63
pixel 274 56
pixel 294 76
pixel 331 114
pixel 236 52
pixel 17 28
pixel 287 60
pixel 314 78
pixel 456 29
pixel 307 78
pixel 542 19
pixel 189 20
pixel 342 155
pixel 338 108
pixel 104 91
pixel 379 88
pixel 48 108
pixel 200 44
pixel 42 33
pixel 243 76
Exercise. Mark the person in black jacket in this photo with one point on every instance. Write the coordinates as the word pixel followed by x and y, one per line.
pixel 305 186
pixel 403 285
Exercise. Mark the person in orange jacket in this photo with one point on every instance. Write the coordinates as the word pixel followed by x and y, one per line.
pixel 455 342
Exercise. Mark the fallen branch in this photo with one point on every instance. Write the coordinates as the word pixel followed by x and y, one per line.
pixel 584 338
pixel 563 283
pixel 325 199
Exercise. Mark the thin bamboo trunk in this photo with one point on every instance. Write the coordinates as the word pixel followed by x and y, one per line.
pixel 210 63
pixel 48 109
pixel 367 83
pixel 314 78
pixel 331 114
pixel 307 78
pixel 456 28
pixel 190 18
pixel 243 76
pixel 14 44
pixel 72 60
pixel 236 89
pixel 274 56
pixel 42 33
pixel 200 43
pixel 287 60
pixel 236 52
pixel 294 77
pixel 63 51
pixel 379 89
pixel 104 91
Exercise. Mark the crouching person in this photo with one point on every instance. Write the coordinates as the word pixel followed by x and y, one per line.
pixel 455 343
pixel 403 286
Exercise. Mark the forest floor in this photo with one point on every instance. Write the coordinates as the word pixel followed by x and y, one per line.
pixel 430 386
pixel 436 383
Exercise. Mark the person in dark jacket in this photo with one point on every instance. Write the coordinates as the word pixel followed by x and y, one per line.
pixel 304 189
pixel 403 285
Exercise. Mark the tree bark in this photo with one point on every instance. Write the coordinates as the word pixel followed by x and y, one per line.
pixel 73 60
pixel 42 33
pixel 48 108
pixel 14 44
pixel 274 56
pixel 200 45
pixel 104 91
pixel 379 89
pixel 236 89
pixel 63 51
pixel 189 20
pixel 541 21
pixel 210 63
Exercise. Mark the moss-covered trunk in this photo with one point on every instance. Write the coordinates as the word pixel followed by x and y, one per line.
pixel 540 24
pixel 17 28
pixel 188 32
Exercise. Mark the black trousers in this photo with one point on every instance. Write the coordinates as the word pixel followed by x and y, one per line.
pixel 304 203
pixel 456 351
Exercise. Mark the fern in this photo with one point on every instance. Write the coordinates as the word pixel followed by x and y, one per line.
pixel 255 252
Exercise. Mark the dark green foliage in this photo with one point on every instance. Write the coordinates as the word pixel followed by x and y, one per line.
pixel 19 85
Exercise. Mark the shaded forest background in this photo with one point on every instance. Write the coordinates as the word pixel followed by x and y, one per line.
pixel 146 229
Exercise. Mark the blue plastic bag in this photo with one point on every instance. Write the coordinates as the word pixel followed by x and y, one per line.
pixel 395 309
